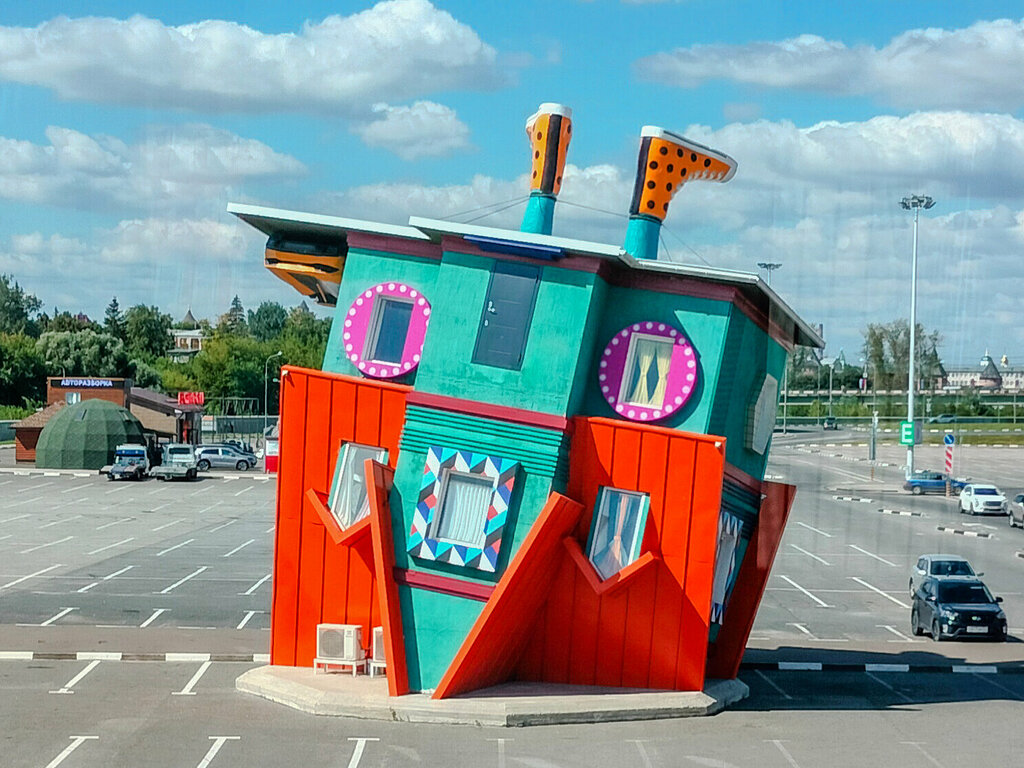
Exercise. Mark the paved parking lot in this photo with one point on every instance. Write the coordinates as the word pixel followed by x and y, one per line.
pixel 128 610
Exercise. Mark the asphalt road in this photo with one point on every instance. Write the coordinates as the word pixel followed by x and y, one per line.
pixel 87 565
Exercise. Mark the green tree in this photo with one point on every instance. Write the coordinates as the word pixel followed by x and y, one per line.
pixel 304 338
pixel 113 319
pixel 83 353
pixel 145 375
pixel 65 321
pixel 267 321
pixel 146 332
pixel 230 366
pixel 22 370
pixel 232 322
pixel 887 351
pixel 18 310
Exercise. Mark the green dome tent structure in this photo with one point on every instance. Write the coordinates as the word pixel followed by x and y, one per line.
pixel 84 435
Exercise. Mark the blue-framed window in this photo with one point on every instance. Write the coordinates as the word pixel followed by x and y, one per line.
pixel 617 530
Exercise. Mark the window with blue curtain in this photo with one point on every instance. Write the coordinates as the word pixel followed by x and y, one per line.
pixel 616 532
pixel 463 509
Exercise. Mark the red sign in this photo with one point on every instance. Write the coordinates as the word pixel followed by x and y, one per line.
pixel 191 398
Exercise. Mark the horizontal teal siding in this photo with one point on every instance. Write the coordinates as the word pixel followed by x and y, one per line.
pixel 540 451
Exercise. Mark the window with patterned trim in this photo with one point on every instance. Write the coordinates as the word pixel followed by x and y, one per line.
pixel 617 530
pixel 348 499
pixel 463 506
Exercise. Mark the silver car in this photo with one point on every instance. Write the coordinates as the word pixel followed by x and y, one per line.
pixel 939 566
pixel 223 456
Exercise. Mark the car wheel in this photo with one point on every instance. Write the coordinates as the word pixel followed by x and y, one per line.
pixel 936 632
pixel 203 464
pixel 915 626
pixel 242 466
pixel 917 490
pixel 1009 519
pixel 910 587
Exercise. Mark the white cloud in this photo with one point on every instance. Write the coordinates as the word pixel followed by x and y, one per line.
pixel 423 129
pixel 977 67
pixel 391 52
pixel 180 168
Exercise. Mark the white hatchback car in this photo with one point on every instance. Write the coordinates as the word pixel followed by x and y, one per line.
pixel 939 566
pixel 980 499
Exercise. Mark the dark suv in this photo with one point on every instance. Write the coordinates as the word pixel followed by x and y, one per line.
pixel 948 608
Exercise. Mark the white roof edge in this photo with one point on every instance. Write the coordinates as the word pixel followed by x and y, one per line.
pixel 728 276
pixel 350 225
pixel 436 226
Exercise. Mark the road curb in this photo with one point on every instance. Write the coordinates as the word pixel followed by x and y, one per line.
pixel 1016 668
pixel 901 512
pixel 961 532
pixel 857 499
pixel 248 658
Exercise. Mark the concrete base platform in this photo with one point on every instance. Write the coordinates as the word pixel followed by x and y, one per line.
pixel 512 704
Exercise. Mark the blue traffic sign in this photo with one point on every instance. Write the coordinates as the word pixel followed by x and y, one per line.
pixel 948 439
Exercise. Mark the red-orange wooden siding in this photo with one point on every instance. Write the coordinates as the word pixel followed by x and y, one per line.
pixel 317 580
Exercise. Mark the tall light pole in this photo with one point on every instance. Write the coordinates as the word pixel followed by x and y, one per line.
pixel 769 267
pixel 266 404
pixel 913 203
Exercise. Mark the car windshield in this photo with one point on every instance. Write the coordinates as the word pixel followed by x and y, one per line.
pixel 951 568
pixel 964 593
pixel 986 492
pixel 180 451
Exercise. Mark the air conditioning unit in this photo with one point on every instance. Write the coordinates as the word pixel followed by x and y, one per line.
pixel 378 644
pixel 339 642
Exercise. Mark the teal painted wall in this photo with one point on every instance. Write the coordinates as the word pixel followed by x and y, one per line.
pixel 544 382
pixel 364 269
pixel 435 626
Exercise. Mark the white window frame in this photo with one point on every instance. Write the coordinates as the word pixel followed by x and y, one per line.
pixel 634 543
pixel 631 360
pixel 434 532
pixel 342 469
pixel 376 320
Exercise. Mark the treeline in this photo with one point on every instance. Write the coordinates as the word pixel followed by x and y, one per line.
pixel 135 343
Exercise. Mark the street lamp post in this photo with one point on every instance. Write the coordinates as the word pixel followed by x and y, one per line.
pixel 769 267
pixel 913 203
pixel 266 403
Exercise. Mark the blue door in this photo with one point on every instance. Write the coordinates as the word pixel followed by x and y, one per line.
pixel 508 311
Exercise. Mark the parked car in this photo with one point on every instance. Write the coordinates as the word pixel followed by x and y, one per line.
pixel 223 456
pixel 830 422
pixel 939 566
pixel 1015 511
pixel 179 461
pixel 943 418
pixel 131 462
pixel 980 499
pixel 927 481
pixel 952 608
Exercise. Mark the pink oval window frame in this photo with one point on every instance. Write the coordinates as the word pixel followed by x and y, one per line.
pixel 682 371
pixel 357 326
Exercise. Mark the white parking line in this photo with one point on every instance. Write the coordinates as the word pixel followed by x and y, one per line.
pixel 176 546
pixel 815 598
pixel 870 554
pixel 270 529
pixel 886 595
pixel 916 745
pixel 30 576
pixel 168 525
pixel 33 487
pixel 889 688
pixel 357 755
pixel 247 488
pixel 66 688
pixel 63 612
pixel 223 525
pixel 48 544
pixel 245 620
pixel 58 522
pixel 187 690
pixel 72 489
pixel 1003 688
pixel 785 753
pixel 812 528
pixel 810 554
pixel 182 581
pixel 111 546
pixel 239 548
pixel 26 501
pixel 255 586
pixel 207 509
pixel 115 522
pixel 902 638
pixel 76 742
pixel 151 619
pixel 12 519
pixel 115 490
pixel 115 574
pixel 218 742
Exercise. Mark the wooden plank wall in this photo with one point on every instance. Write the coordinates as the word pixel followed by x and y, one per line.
pixel 316 581
pixel 653 632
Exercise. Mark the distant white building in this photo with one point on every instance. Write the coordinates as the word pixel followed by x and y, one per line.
pixel 987 376
pixel 188 340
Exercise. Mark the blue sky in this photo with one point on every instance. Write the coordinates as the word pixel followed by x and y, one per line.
pixel 125 128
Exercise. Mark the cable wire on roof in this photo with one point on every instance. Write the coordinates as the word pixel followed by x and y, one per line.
pixel 513 200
